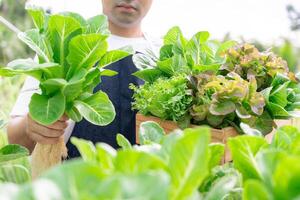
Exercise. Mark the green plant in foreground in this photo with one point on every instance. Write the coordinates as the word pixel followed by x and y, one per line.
pixel 72 52
pixel 182 165
pixel 270 171
pixel 14 164
pixel 173 167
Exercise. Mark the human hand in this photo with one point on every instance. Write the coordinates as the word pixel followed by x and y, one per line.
pixel 45 134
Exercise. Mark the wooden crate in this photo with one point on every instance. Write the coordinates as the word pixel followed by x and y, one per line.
pixel 217 135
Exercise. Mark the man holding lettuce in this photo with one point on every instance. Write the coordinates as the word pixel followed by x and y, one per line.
pixel 125 18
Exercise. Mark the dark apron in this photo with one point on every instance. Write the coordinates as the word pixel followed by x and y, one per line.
pixel 117 88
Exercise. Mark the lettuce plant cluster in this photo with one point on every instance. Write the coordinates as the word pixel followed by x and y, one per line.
pixel 230 84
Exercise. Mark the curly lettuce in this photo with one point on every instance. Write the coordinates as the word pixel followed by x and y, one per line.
pixel 247 61
pixel 221 101
pixel 167 99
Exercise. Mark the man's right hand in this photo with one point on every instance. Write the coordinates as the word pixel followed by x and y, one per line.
pixel 45 134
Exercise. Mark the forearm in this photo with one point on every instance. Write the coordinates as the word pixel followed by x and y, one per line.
pixel 16 131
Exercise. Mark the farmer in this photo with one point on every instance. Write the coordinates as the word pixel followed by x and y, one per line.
pixel 125 18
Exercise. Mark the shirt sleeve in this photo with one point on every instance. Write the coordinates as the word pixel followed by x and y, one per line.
pixel 21 106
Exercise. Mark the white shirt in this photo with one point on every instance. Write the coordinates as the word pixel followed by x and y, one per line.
pixel 31 85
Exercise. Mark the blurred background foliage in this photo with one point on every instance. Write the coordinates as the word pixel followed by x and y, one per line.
pixel 17 171
pixel 11 48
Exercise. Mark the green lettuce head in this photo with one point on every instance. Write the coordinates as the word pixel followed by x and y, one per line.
pixel 220 100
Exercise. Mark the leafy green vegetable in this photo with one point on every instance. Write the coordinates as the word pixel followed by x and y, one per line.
pixel 68 48
pixel 244 150
pixel 258 171
pixel 97 109
pixel 247 61
pixel 14 164
pixel 12 152
pixel 269 171
pixel 86 149
pixel 123 142
pixel 47 110
pixel 222 188
pixel 282 97
pixel 179 55
pixel 217 152
pixel 189 166
pixel 150 132
pixel 14 173
pixel 215 187
pixel 230 84
pixel 222 100
pixel 254 189
pixel 166 98
pixel 128 173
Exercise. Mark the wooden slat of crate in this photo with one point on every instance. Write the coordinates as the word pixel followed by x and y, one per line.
pixel 217 135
